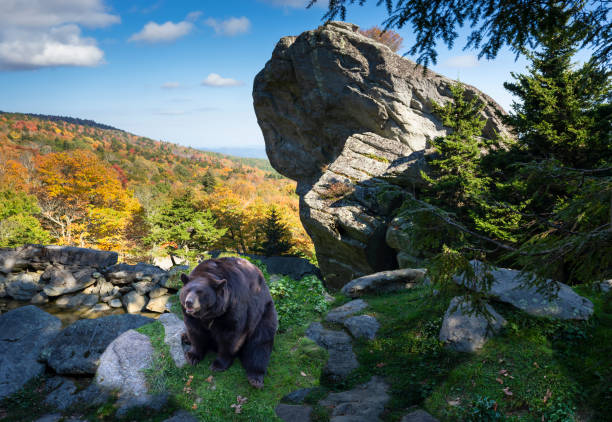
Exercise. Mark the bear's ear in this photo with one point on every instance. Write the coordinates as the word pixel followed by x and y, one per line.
pixel 218 284
pixel 184 278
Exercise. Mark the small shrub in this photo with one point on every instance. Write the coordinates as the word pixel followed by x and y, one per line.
pixel 336 190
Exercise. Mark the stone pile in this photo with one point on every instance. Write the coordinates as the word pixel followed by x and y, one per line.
pixel 81 279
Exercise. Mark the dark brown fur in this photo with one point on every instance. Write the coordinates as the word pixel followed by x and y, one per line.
pixel 235 315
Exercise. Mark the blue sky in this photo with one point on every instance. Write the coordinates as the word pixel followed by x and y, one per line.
pixel 181 70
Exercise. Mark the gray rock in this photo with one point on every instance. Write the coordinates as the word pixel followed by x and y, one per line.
pixel 174 327
pixel 77 349
pixel 127 274
pixel 121 369
pixel 605 286
pixel 362 326
pixel 293 413
pixel 165 262
pixel 22 286
pixel 297 396
pixel 133 302
pixel 342 360
pixel 552 299
pixel 23 333
pixel 63 396
pixel 384 282
pixel 2 286
pixel 58 281
pixel 466 331
pixel 53 417
pixel 76 301
pixel 143 287
pixel 79 257
pixel 350 120
pixel 339 314
pixel 363 403
pixel 20 258
pixel 291 266
pixel 106 288
pixel 39 298
pixel 158 304
pixel 418 416
pixel 157 292
pixel 182 416
pixel 115 303
pixel 100 307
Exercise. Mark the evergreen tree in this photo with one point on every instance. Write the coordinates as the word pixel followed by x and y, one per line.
pixel 277 235
pixel 183 228
pixel 208 181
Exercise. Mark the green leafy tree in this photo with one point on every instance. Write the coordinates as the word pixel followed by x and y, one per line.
pixel 277 235
pixel 495 23
pixel 18 224
pixel 184 229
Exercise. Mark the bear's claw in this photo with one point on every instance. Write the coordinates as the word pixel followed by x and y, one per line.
pixel 256 382
pixel 192 358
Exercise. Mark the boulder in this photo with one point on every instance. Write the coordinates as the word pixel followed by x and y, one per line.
pixel 297 396
pixel 79 257
pixel 350 121
pixel 362 326
pixel 20 258
pixel 605 286
pixel 59 281
pixel 465 330
pixel 143 287
pixel 174 327
pixel 76 301
pixel 127 274
pixel 158 304
pixel 342 360
pixel 115 303
pixel 384 282
pixel 548 298
pixel 165 262
pixel 133 302
pixel 23 333
pixel 339 314
pixel 418 416
pixel 293 413
pixel 22 286
pixel 157 292
pixel 100 307
pixel 363 403
pixel 121 370
pixel 77 349
pixel 39 298
pixel 64 394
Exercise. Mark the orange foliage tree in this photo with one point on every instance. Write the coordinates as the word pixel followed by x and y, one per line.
pixel 83 200
pixel 390 38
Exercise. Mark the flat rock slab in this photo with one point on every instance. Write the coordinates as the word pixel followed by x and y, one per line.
pixel 466 331
pixel 341 313
pixel 121 369
pixel 127 274
pixel 174 327
pixel 23 333
pixel 158 304
pixel 418 416
pixel 342 360
pixel 77 349
pixel 293 413
pixel 363 403
pixel 384 282
pixel 362 326
pixel 182 416
pixel 552 299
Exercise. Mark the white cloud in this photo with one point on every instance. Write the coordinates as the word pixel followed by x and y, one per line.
pixel 48 13
pixel 171 85
pixel 216 80
pixel 229 27
pixel 165 32
pixel 468 60
pixel 47 33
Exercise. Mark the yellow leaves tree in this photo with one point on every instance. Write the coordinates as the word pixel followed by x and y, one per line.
pixel 83 200
pixel 390 38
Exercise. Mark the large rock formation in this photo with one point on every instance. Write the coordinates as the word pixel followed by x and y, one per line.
pixel 350 121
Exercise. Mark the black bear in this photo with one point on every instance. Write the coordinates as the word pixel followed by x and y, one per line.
pixel 228 309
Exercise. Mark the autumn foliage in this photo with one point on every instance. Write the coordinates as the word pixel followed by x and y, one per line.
pixel 388 37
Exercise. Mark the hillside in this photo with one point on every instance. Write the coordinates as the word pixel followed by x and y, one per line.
pixel 48 160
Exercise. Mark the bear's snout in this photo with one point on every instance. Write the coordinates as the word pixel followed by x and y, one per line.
pixel 192 303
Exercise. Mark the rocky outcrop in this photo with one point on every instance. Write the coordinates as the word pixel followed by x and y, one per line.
pixel 350 121
pixel 23 333
pixel 363 403
pixel 384 282
pixel 547 298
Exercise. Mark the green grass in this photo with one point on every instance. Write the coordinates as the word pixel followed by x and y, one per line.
pixel 569 361
pixel 211 399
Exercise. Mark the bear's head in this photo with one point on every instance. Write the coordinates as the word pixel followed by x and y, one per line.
pixel 204 296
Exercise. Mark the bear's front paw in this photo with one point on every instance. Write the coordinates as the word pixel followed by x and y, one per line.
pixel 219 365
pixel 192 357
pixel 185 338
pixel 256 381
